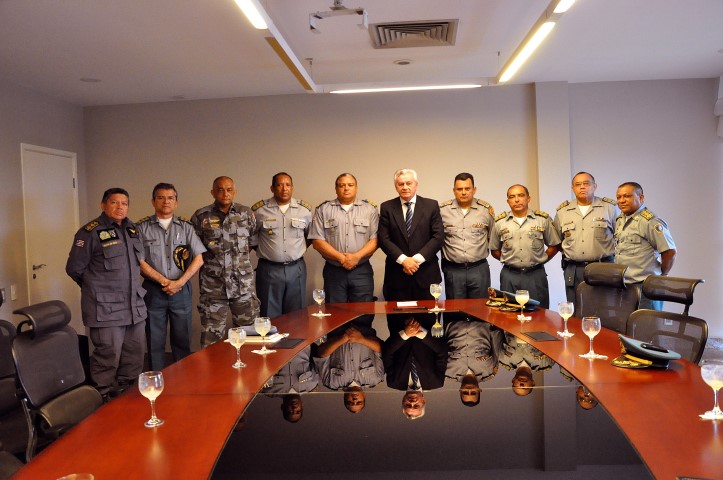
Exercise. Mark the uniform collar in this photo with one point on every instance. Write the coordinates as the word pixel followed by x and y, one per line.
pixel 271 202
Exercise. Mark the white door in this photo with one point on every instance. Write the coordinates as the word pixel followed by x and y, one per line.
pixel 50 200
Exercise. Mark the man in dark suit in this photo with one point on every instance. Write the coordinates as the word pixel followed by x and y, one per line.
pixel 410 234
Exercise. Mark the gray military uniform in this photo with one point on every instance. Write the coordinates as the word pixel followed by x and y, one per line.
pixel 105 262
pixel 299 374
pixel 226 279
pixel 473 346
pixel 522 251
pixel 281 243
pixel 466 247
pixel 641 238
pixel 347 232
pixel 350 362
pixel 516 351
pixel 161 246
pixel 585 239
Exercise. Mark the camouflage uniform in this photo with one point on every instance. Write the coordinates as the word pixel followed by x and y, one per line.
pixel 226 280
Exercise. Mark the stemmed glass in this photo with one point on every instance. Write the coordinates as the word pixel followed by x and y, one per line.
pixel 319 296
pixel 435 290
pixel 437 328
pixel 712 373
pixel 591 326
pixel 565 309
pixel 521 297
pixel 237 337
pixel 262 325
pixel 150 385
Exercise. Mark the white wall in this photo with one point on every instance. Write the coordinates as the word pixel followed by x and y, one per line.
pixel 29 117
pixel 659 133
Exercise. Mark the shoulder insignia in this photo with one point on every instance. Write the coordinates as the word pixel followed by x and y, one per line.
pixel 445 204
pixel 306 205
pixel 258 205
pixel 609 200
pixel 486 205
pixel 541 213
pixel 500 216
pixel 89 227
pixel 144 219
pixel 370 203
pixel 322 203
pixel 184 219
pixel 563 204
pixel 647 214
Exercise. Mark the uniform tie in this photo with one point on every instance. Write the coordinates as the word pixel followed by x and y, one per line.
pixel 408 218
pixel 415 375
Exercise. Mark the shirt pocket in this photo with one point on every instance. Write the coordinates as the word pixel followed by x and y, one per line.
pixel 331 228
pixel 361 225
pixel 505 239
pixel 114 257
pixel 154 251
pixel 537 241
pixel 601 229
pixel 298 227
pixel 110 303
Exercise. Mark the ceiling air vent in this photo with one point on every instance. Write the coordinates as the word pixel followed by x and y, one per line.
pixel 428 33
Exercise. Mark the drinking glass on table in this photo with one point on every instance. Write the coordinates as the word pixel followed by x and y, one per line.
pixel 521 297
pixel 437 328
pixel 262 325
pixel 237 337
pixel 435 290
pixel 565 309
pixel 319 296
pixel 712 373
pixel 150 385
pixel 591 327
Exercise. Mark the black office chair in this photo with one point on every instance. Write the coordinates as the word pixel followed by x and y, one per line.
pixel 50 373
pixel 603 294
pixel 675 331
pixel 13 432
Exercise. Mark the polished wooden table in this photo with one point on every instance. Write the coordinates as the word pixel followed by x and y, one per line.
pixel 204 398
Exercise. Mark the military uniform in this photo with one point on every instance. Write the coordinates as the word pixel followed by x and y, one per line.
pixel 641 238
pixel 466 247
pixel 165 250
pixel 474 346
pixel 226 281
pixel 347 232
pixel 299 374
pixel 351 362
pixel 585 239
pixel 105 261
pixel 523 254
pixel 516 351
pixel 281 242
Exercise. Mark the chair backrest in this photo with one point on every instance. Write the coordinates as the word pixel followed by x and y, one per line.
pixel 671 289
pixel 46 353
pixel 675 331
pixel 603 294
pixel 8 390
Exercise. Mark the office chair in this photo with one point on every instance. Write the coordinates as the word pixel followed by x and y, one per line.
pixel 13 431
pixel 603 294
pixel 675 331
pixel 50 373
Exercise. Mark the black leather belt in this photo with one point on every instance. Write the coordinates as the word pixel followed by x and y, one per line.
pixel 293 262
pixel 524 270
pixel 465 265
pixel 609 259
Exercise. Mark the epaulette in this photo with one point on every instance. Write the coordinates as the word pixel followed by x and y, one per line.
pixel 541 213
pixel 647 214
pixel 370 203
pixel 144 219
pixel 306 205
pixel 500 216
pixel 445 204
pixel 563 204
pixel 90 226
pixel 609 200
pixel 258 205
pixel 184 219
pixel 322 203
pixel 486 205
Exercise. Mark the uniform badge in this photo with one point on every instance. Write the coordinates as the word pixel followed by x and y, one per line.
pixel 507 244
pixel 181 254
pixel 80 243
pixel 270 232
pixel 107 234
pixel 132 232
pixel 567 233
pixel 659 228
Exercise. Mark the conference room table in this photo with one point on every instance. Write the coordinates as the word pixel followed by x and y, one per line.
pixel 657 410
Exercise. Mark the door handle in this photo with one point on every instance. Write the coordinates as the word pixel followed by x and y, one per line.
pixel 38 267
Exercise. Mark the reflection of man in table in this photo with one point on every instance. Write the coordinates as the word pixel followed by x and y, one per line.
pixel 524 358
pixel 585 399
pixel 351 359
pixel 413 404
pixel 413 359
pixel 297 376
pixel 474 349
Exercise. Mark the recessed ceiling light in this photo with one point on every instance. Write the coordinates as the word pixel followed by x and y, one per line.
pixel 90 80
pixel 402 62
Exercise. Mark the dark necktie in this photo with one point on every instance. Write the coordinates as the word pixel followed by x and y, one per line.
pixel 415 375
pixel 408 218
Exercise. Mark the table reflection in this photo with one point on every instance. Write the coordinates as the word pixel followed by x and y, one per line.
pixel 527 415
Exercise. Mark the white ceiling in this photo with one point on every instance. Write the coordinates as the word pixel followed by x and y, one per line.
pixel 155 50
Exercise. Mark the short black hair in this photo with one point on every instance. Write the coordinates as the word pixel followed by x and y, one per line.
pixel 463 177
pixel 583 173
pixel 163 186
pixel 344 175
pixel 280 174
pixel 635 185
pixel 114 191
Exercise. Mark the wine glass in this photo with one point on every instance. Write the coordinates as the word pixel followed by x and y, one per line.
pixel 437 328
pixel 262 325
pixel 319 296
pixel 521 297
pixel 435 290
pixel 237 337
pixel 591 326
pixel 565 309
pixel 150 385
pixel 712 373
